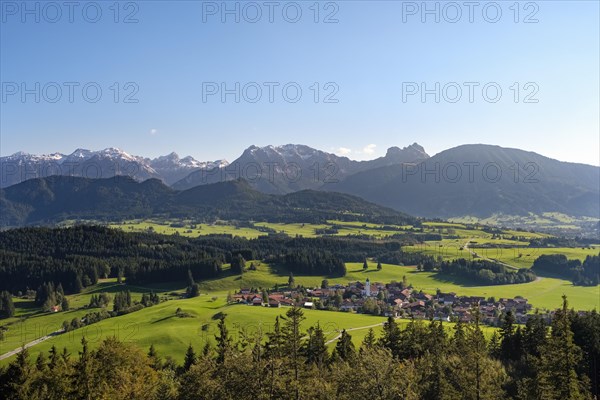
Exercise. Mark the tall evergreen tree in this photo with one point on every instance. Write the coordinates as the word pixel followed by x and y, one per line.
pixel 84 371
pixel 224 341
pixel 586 334
pixel 391 337
pixel 16 381
pixel 314 348
pixel 472 372
pixel 369 341
pixel 508 349
pixel 238 264
pixel 344 348
pixel 190 358
pixel 434 364
pixel 7 308
pixel 560 359
pixel 292 338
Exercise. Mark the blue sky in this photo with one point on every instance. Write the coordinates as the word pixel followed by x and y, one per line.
pixel 371 58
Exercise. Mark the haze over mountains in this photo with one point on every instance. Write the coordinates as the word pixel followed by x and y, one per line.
pixel 481 180
pixel 468 180
pixel 58 198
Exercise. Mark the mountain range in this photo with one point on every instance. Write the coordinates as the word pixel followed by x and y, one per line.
pixel 58 198
pixel 480 181
pixel 289 168
pixel 100 164
pixel 469 180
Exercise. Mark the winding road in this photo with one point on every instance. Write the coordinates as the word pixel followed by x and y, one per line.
pixel 353 329
pixel 31 344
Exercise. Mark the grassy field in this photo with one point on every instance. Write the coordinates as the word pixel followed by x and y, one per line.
pixel 170 334
pixel 454 235
pixel 199 229
pixel 306 230
pixel 545 293
pixel 544 221
pixel 516 256
pixel 160 326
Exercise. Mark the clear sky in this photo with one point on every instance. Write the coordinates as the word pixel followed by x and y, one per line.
pixel 373 61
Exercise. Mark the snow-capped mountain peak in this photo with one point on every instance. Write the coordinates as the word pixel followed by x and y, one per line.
pixel 101 164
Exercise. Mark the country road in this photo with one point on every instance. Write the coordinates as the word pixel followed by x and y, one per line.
pixel 30 344
pixel 353 329
pixel 474 254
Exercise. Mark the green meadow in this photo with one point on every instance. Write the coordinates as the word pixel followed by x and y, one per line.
pixel 171 334
pixel 520 257
pixel 189 229
pixel 159 325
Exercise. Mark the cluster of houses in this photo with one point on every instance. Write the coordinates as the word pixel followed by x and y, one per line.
pixel 394 299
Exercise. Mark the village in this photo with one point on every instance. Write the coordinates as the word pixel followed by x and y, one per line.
pixel 395 299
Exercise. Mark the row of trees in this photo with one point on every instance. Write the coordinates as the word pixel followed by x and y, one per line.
pixel 99 300
pixel 421 361
pixel 122 301
pixel 586 273
pixel 77 257
pixel 485 272
pixel 313 262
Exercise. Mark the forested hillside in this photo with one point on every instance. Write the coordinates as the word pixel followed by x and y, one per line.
pixel 57 198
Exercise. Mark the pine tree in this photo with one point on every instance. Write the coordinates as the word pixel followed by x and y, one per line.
pixel 365 265
pixel 314 348
pixel 190 358
pixel 494 346
pixel 17 380
pixel 391 337
pixel 78 285
pixel 344 348
pixel 276 341
pixel 155 361
pixel 274 352
pixel 379 267
pixel 40 362
pixel 369 341
pixel 60 291
pixel 292 339
pixel 224 341
pixel 7 308
pixel 434 364
pixel 84 372
pixel 507 337
pixel 206 350
pixel 291 281
pixel 238 264
pixel 559 361
pixel 477 344
pixel 64 305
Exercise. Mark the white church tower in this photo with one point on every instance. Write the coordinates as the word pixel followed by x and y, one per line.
pixel 368 288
